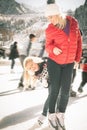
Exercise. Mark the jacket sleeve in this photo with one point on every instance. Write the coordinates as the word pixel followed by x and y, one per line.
pixel 79 47
pixel 49 45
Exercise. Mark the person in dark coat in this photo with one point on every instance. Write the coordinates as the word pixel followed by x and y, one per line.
pixel 13 54
pixel 83 66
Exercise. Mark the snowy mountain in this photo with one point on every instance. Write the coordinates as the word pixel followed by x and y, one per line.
pixel 12 7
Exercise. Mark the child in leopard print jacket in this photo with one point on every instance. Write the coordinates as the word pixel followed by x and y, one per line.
pixel 34 72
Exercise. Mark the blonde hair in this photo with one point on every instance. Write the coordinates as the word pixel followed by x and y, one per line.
pixel 27 60
pixel 29 77
pixel 61 20
pixel 26 75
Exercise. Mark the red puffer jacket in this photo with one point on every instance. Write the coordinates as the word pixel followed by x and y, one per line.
pixel 71 45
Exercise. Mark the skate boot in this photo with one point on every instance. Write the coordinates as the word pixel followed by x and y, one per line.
pixel 60 119
pixel 41 119
pixel 80 90
pixel 72 93
pixel 20 86
pixel 53 120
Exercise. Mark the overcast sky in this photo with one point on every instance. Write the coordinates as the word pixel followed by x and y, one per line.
pixel 65 4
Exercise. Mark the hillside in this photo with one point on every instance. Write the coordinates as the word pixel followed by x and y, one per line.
pixel 12 7
pixel 81 15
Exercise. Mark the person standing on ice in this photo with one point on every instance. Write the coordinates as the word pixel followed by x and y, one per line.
pixel 64 48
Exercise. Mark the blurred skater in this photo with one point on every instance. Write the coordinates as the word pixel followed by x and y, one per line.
pixel 13 54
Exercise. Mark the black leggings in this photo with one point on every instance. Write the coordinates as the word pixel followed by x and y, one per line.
pixel 84 79
pixel 12 63
pixel 46 104
pixel 60 78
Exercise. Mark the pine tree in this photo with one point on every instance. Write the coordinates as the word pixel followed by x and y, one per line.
pixel 86 2
pixel 50 1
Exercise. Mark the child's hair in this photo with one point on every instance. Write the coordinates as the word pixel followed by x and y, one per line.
pixel 27 60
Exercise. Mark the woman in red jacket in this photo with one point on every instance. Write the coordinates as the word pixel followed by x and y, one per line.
pixel 64 48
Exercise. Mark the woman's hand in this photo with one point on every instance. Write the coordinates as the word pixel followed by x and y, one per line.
pixel 57 51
